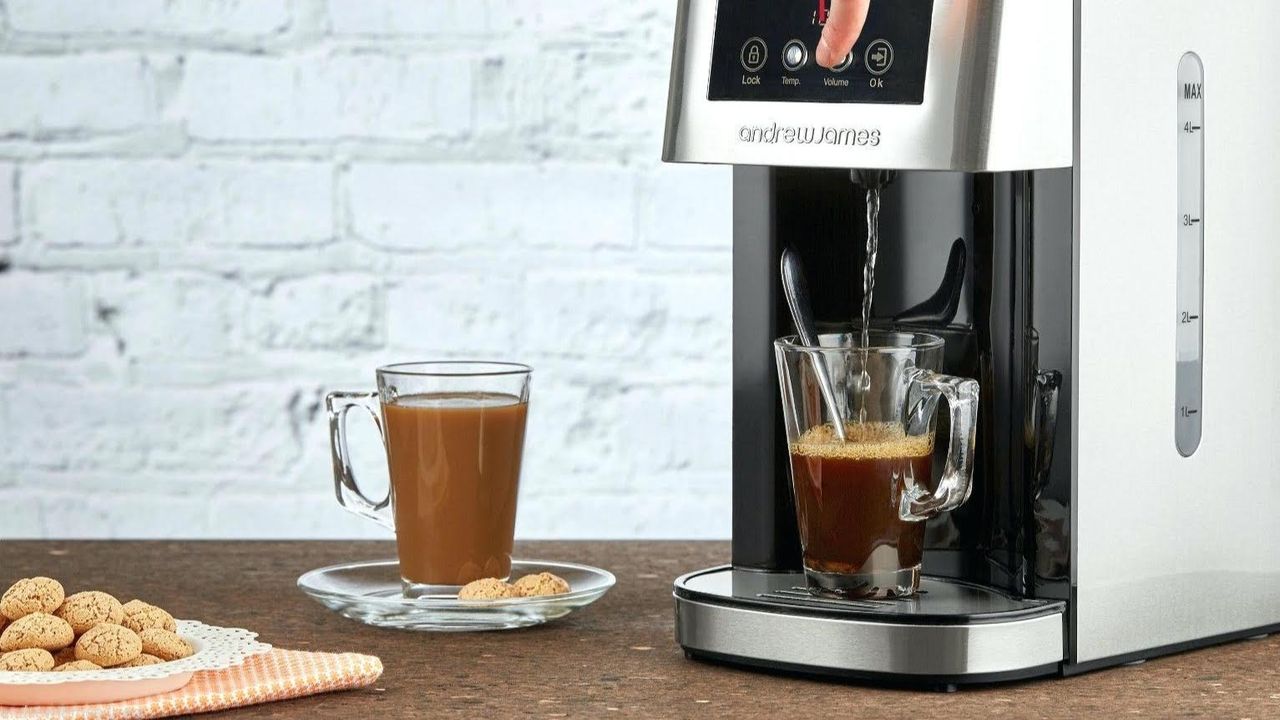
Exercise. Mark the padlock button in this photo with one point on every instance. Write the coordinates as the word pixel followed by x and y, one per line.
pixel 753 55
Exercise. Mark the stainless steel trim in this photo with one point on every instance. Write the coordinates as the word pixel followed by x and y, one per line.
pixel 825 643
pixel 998 96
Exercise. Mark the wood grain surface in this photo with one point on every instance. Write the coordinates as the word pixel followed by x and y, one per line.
pixel 616 658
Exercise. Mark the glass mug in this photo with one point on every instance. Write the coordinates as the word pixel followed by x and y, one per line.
pixel 454 436
pixel 861 501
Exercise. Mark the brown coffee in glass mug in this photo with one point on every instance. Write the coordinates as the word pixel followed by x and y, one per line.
pixel 861 501
pixel 454 436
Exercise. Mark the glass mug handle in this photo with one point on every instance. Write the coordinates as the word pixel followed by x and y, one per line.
pixel 956 484
pixel 349 494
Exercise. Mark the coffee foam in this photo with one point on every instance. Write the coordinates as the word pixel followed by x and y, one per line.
pixel 863 441
pixel 456 400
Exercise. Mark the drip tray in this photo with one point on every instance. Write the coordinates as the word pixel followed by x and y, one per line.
pixel 951 632
pixel 941 600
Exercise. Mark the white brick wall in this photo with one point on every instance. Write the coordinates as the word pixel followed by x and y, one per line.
pixel 8 203
pixel 108 201
pixel 213 212
pixel 198 20
pixel 43 316
pixel 77 95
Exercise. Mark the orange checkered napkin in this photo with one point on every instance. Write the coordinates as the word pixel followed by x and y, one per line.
pixel 275 675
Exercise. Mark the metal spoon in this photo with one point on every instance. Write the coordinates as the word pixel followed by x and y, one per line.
pixel 797 292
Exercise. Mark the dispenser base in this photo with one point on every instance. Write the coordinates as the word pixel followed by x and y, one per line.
pixel 951 633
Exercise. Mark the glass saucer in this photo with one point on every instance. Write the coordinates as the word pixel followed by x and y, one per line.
pixel 370 592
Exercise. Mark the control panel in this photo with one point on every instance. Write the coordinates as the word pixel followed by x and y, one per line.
pixel 764 50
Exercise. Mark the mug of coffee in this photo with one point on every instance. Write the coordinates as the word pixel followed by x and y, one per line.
pixel 454 436
pixel 861 499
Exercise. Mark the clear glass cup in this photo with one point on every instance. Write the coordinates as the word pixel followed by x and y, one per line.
pixel 861 501
pixel 454 435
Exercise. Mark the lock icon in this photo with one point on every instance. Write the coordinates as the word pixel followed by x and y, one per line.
pixel 754 53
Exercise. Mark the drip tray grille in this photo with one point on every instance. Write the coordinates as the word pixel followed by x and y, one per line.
pixel 941 601
pixel 802 595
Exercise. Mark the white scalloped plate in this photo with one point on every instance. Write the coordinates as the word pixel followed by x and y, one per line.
pixel 216 648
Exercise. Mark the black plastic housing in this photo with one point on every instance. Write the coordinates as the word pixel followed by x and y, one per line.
pixel 1010 330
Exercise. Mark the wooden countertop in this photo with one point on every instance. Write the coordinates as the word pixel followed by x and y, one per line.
pixel 615 658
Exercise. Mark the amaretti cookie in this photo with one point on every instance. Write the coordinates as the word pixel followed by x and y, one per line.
pixel 164 644
pixel 487 589
pixel 91 607
pixel 27 660
pixel 37 630
pixel 139 616
pixel 31 595
pixel 108 645
pixel 543 583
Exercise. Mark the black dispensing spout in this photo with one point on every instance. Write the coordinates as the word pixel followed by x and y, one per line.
pixel 872 179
